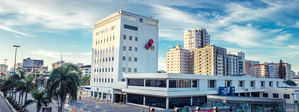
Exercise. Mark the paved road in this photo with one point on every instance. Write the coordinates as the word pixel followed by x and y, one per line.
pixel 3 106
pixel 95 105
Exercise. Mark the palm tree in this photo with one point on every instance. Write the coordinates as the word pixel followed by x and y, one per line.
pixel 29 86
pixel 63 81
pixel 39 97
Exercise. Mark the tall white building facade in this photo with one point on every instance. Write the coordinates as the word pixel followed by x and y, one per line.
pixel 122 43
pixel 196 38
pixel 232 64
pixel 241 61
pixel 179 60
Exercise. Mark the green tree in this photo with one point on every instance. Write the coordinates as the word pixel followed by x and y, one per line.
pixel 40 98
pixel 281 70
pixel 85 80
pixel 63 82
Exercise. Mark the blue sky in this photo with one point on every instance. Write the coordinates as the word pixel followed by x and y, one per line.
pixel 265 30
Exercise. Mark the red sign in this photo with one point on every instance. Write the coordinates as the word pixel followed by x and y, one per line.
pixel 149 44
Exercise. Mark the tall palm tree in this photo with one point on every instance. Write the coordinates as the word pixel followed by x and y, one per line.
pixel 29 86
pixel 39 97
pixel 63 82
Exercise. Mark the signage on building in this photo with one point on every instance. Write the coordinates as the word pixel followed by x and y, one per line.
pixel 185 109
pixel 223 91
pixel 232 91
pixel 149 44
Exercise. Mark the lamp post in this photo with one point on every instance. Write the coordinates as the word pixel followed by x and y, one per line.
pixel 16 46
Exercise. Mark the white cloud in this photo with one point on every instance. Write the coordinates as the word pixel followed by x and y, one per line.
pixel 5 28
pixel 283 37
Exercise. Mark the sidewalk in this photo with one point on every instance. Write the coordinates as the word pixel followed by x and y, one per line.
pixel 3 105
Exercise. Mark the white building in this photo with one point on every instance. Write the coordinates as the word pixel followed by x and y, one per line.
pixel 122 43
pixel 196 38
pixel 165 90
pixel 272 70
pixel 179 60
pixel 232 64
pixel 85 69
pixel 241 61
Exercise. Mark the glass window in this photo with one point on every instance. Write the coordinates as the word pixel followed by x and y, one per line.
pixel 130 58
pixel 228 83
pixel 194 83
pixel 252 83
pixel 130 37
pixel 124 69
pixel 129 69
pixel 265 94
pixel 136 39
pixel 124 48
pixel 135 69
pixel 131 27
pixel 275 95
pixel 211 83
pixel 134 98
pixel 136 82
pixel 125 37
pixel 155 83
pixel 130 48
pixel 262 83
pixel 241 83
pixel 270 83
pixel 179 102
pixel 136 49
pixel 135 59
pixel 179 83
pixel 199 100
pixel 124 58
pixel 155 101
pixel 286 96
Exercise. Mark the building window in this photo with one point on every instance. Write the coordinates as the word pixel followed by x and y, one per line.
pixel 277 84
pixel 252 83
pixel 135 59
pixel 130 37
pixel 275 95
pixel 124 58
pixel 129 69
pixel 262 83
pixel 136 49
pixel 211 83
pixel 112 69
pixel 270 83
pixel 179 83
pixel 124 48
pixel 123 69
pixel 194 83
pixel 130 48
pixel 155 83
pixel 136 39
pixel 131 27
pixel 135 69
pixel 129 58
pixel 140 20
pixel 241 83
pixel 286 96
pixel 228 83
pixel 136 82
pixel 112 58
pixel 265 94
pixel 125 37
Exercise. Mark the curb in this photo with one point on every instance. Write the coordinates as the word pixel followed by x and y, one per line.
pixel 7 103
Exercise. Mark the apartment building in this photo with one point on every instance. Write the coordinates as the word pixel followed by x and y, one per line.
pixel 210 60
pixel 196 38
pixel 241 61
pixel 179 60
pixel 232 64
pixel 122 43
pixel 248 66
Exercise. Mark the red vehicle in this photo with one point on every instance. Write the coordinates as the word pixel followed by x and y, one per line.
pixel 149 44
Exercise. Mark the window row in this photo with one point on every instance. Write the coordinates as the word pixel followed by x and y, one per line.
pixel 104 59
pixel 102 41
pixel 130 48
pixel 129 59
pixel 104 70
pixel 130 38
pixel 129 70
pixel 106 80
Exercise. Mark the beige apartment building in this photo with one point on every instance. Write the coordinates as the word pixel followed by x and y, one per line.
pixel 196 38
pixel 210 60
pixel 179 60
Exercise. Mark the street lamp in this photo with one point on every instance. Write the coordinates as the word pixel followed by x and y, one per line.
pixel 16 46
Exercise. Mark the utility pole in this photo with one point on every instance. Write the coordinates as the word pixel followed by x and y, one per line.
pixel 14 66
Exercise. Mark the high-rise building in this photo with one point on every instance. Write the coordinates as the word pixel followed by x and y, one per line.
pixel 289 75
pixel 241 61
pixel 248 66
pixel 272 70
pixel 122 43
pixel 179 61
pixel 232 64
pixel 196 38
pixel 210 60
